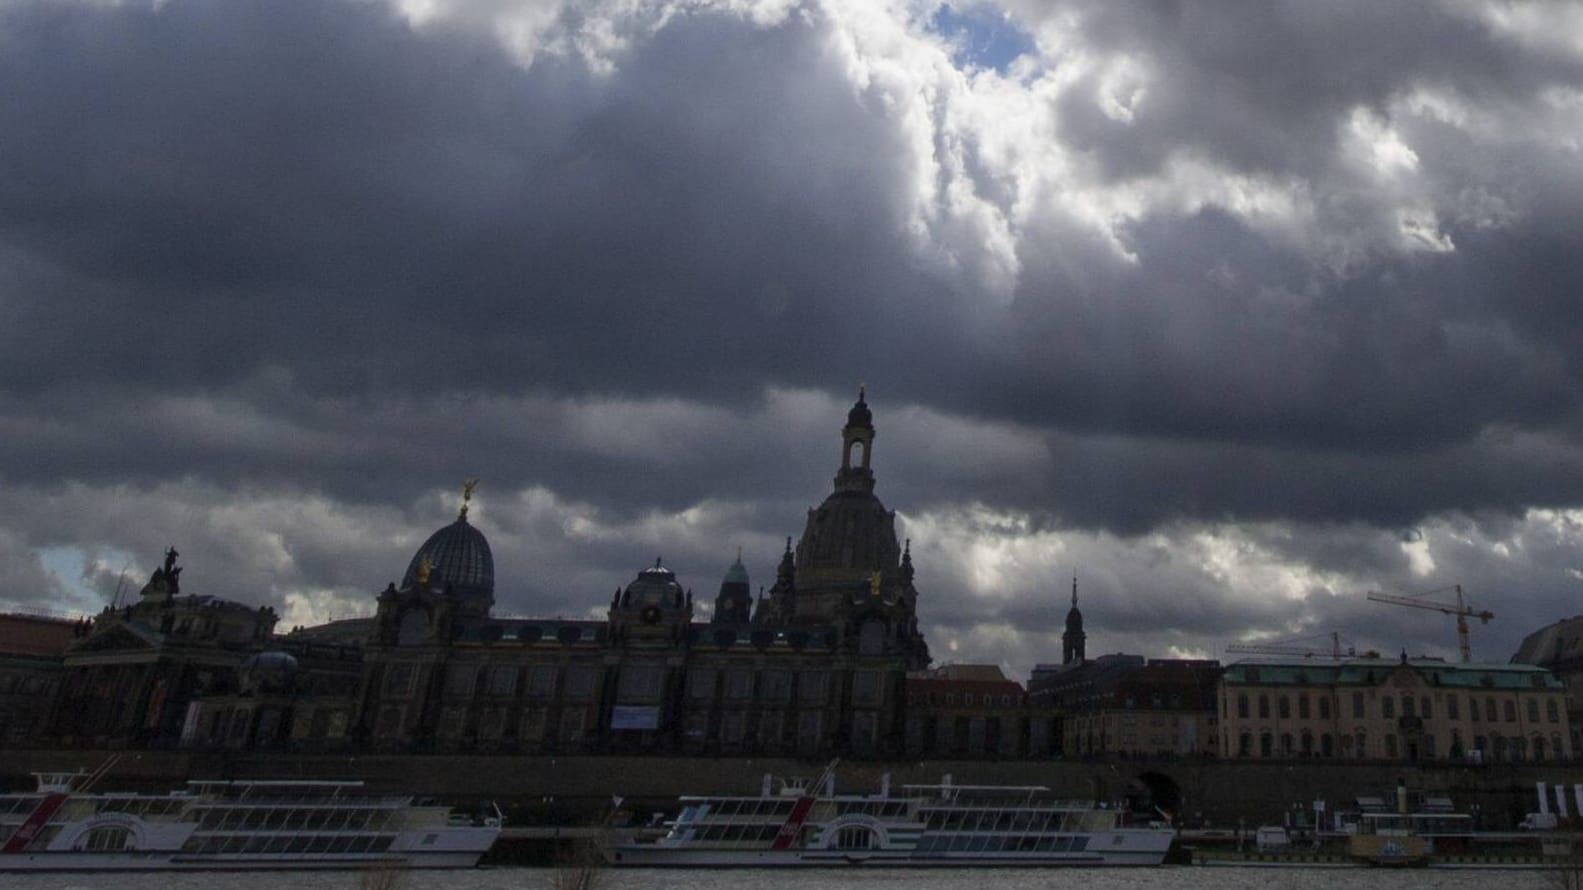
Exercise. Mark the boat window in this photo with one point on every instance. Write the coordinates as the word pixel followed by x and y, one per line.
pixel 108 839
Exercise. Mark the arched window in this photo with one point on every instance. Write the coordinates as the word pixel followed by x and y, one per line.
pixel 1424 708
pixel 1242 705
pixel 1388 707
pixel 1539 747
pixel 1264 706
pixel 1324 707
pixel 1489 709
pixel 1285 708
pixel 1511 711
pixel 1426 747
pixel 1245 745
pixel 1451 706
pixel 1533 710
pixel 1552 711
pixel 1390 745
pixel 1286 744
pixel 1327 745
pixel 1363 744
pixel 1266 745
pixel 1306 744
pixel 1302 706
pixel 1408 707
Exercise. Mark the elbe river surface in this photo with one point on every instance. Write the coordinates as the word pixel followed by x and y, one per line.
pixel 1165 878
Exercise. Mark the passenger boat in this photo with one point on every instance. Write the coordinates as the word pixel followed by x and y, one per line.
pixel 1406 835
pixel 274 824
pixel 925 825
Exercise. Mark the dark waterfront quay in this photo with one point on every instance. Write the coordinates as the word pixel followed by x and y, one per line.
pixel 1174 878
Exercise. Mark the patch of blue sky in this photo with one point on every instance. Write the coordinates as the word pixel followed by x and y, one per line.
pixel 981 35
pixel 69 568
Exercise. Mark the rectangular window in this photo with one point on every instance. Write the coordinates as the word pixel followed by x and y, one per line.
pixel 541 680
pixel 739 684
pixel 732 727
pixel 579 681
pixel 399 679
pixel 1451 706
pixel 865 731
pixel 809 730
pixel 503 679
pixel 459 679
pixel 865 687
pixel 776 686
pixel 572 725
pixel 1357 705
pixel 770 725
pixel 811 686
pixel 639 682
pixel 532 726
pixel 701 683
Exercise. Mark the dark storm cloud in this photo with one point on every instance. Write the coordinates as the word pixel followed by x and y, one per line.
pixel 318 187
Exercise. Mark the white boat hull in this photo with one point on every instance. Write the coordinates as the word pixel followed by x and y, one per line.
pixel 153 861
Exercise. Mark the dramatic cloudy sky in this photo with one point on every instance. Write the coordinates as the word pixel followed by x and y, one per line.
pixel 1235 311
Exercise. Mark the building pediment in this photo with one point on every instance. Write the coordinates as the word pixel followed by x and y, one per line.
pixel 118 638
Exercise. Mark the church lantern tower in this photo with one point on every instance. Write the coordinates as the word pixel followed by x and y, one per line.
pixel 734 604
pixel 1072 642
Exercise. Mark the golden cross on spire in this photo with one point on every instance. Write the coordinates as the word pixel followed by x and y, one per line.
pixel 467 494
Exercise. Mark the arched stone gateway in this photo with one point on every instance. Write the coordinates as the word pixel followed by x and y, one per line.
pixel 1155 792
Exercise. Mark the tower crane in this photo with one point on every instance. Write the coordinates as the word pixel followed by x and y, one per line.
pixel 1294 647
pixel 1461 610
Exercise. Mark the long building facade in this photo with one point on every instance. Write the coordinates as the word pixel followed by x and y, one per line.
pixel 1411 710
pixel 817 667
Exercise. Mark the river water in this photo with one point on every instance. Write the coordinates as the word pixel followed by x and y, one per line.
pixel 1164 878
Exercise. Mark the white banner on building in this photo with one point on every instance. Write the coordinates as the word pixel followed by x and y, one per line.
pixel 634 717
